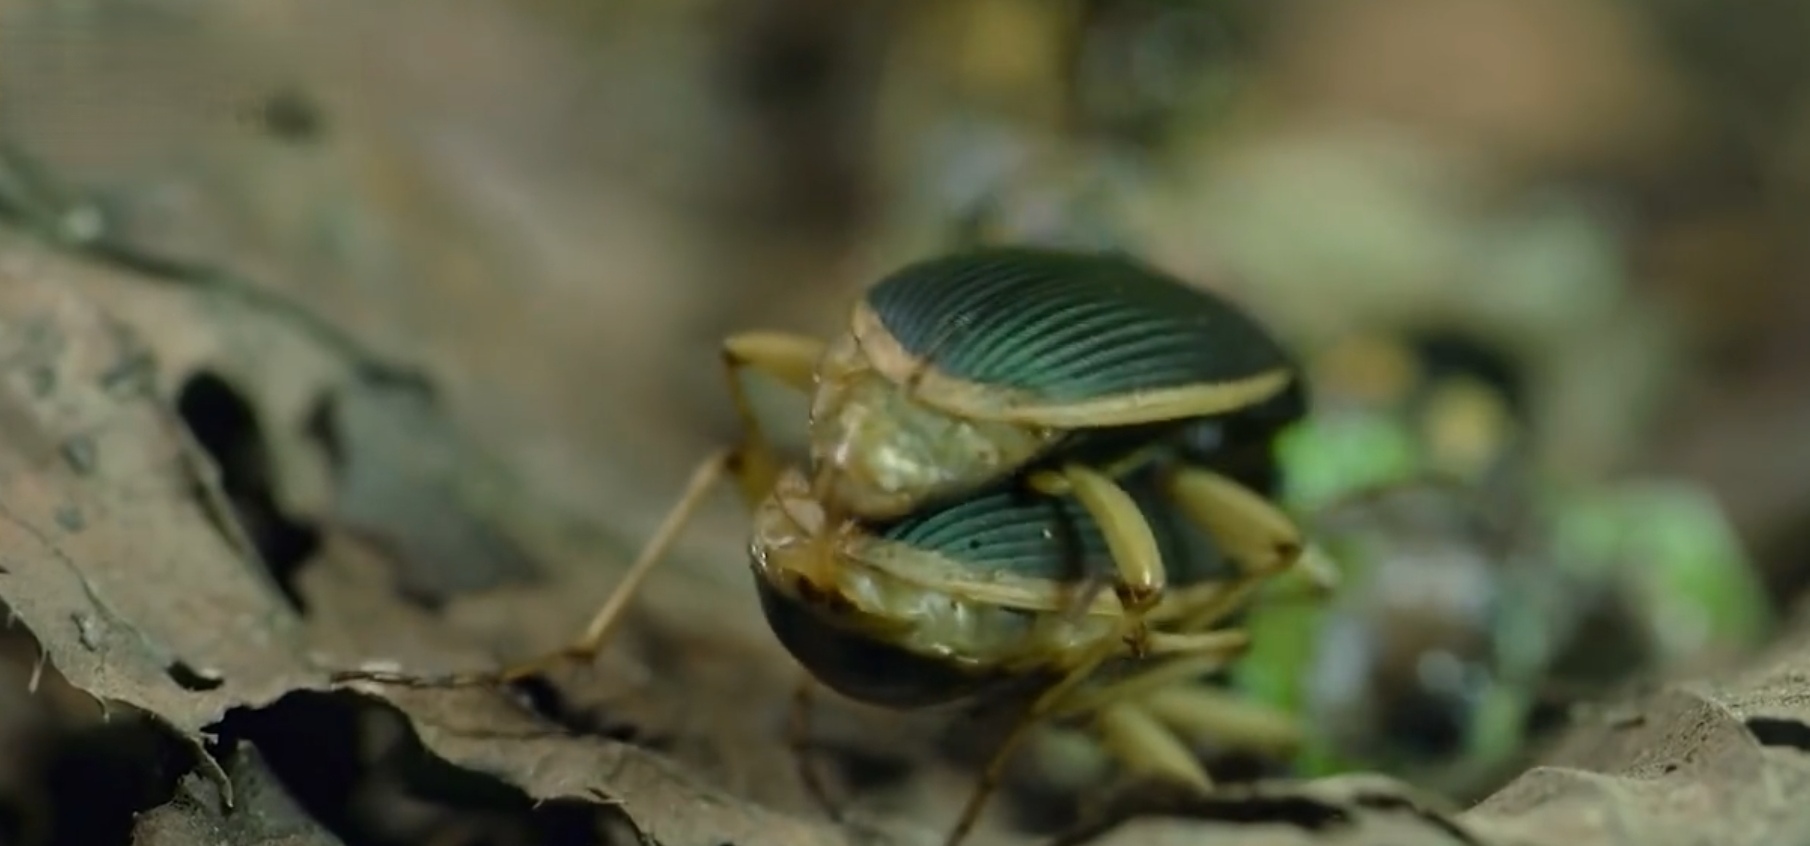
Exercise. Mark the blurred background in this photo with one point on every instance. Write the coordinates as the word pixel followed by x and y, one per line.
pixel 555 209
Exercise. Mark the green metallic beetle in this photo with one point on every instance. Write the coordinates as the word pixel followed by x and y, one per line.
pixel 974 390
pixel 1054 370
pixel 998 592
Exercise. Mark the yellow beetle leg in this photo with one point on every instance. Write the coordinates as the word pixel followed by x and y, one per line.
pixel 1253 532
pixel 1200 712
pixel 791 359
pixel 1228 641
pixel 1199 607
pixel 1173 691
pixel 1144 745
pixel 1137 561
pixel 1045 704
pixel 597 632
pixel 1145 717
pixel 1069 697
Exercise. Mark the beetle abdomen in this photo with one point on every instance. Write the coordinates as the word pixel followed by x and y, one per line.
pixel 861 666
pixel 1068 326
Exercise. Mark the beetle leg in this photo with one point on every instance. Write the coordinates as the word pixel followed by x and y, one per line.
pixel 1254 533
pixel 598 631
pixel 1145 680
pixel 1199 711
pixel 1231 641
pixel 1172 704
pixel 1045 704
pixel 791 359
pixel 1143 744
pixel 1137 560
pixel 1175 693
pixel 1199 607
pixel 1068 697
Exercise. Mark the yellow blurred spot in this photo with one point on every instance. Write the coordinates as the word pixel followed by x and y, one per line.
pixel 1466 425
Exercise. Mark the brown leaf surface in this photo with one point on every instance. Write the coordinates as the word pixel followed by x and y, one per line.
pixel 111 557
pixel 141 592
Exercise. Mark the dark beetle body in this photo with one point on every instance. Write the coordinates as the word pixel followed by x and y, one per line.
pixel 1004 533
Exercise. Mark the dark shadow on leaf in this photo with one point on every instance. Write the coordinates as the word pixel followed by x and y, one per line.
pixel 101 778
pixel 226 426
pixel 191 679
pixel 1776 731
pixel 68 778
pixel 1144 800
pixel 1391 802
pixel 355 764
pixel 546 700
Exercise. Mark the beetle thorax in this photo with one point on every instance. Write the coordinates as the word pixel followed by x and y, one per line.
pixel 882 451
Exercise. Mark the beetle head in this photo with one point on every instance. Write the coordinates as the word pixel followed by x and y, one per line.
pixel 881 451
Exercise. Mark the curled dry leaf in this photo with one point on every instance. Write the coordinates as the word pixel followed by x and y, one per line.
pixel 481 732
pixel 113 559
pixel 143 590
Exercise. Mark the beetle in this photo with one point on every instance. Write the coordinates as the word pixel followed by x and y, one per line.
pixel 1050 368
pixel 999 371
pixel 1055 369
pixel 978 598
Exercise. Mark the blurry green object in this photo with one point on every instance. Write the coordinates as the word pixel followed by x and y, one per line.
pixel 1467 584
pixel 1324 660
pixel 1670 549
pixel 1329 456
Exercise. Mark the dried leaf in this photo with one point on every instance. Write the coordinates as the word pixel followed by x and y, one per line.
pixel 114 561
pixel 144 593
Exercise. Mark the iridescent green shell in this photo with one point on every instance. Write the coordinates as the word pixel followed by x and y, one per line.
pixel 1015 532
pixel 1006 532
pixel 1068 326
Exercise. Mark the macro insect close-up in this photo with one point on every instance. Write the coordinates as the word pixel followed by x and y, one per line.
pixel 960 422
pixel 889 564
